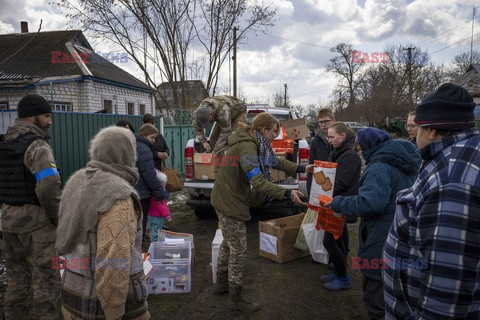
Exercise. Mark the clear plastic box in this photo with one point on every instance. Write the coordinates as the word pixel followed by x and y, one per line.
pixel 171 268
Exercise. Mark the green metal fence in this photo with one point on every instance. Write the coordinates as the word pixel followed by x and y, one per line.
pixel 72 131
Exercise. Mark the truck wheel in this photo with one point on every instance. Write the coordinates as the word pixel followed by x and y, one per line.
pixel 204 212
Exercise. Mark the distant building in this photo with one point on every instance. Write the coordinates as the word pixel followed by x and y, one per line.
pixel 63 67
pixel 195 93
pixel 471 82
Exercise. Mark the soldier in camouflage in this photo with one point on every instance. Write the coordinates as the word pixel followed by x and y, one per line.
pixel 227 112
pixel 231 196
pixel 29 198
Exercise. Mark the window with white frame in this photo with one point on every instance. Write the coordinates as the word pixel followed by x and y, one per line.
pixel 61 106
pixel 4 105
pixel 130 108
pixel 107 104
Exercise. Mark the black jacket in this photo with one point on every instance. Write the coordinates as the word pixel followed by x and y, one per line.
pixel 348 170
pixel 160 145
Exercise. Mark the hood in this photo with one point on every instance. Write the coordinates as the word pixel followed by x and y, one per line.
pixel 114 145
pixel 240 135
pixel 344 146
pixel 22 127
pixel 398 153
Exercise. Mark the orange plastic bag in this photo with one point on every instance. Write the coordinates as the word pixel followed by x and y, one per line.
pixel 328 221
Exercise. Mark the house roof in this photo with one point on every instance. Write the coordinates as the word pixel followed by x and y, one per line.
pixel 195 92
pixel 470 80
pixel 27 58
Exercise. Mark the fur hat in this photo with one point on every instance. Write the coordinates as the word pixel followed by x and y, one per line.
pixel 33 105
pixel 147 129
pixel 449 108
pixel 369 138
pixel 203 113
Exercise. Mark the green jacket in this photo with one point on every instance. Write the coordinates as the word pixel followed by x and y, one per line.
pixel 232 192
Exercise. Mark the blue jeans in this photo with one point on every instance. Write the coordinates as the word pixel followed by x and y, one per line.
pixel 155 225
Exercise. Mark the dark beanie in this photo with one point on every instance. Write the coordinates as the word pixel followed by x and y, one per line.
pixel 450 108
pixel 33 105
pixel 371 137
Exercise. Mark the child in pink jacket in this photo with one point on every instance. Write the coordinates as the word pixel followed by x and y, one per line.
pixel 158 211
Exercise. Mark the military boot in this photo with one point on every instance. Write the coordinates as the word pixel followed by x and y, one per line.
pixel 221 286
pixel 238 303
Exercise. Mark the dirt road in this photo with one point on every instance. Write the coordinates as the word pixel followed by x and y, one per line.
pixel 292 290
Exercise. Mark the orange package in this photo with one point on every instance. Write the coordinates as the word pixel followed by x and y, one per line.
pixel 328 221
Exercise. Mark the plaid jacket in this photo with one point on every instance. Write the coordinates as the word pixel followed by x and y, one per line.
pixel 437 225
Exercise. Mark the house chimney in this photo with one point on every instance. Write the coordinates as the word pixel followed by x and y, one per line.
pixel 24 26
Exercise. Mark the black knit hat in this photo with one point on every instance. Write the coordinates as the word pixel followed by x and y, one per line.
pixel 33 105
pixel 450 108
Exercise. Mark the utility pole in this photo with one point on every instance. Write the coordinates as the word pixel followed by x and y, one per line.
pixel 409 75
pixel 285 96
pixel 471 39
pixel 234 58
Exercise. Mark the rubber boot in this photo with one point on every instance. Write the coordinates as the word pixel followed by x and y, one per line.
pixel 329 277
pixel 238 303
pixel 339 283
pixel 221 286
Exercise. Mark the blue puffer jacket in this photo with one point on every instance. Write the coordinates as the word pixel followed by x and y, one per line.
pixel 147 184
pixel 391 167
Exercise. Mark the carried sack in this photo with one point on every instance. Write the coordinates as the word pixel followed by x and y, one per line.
pixel 314 239
pixel 173 182
pixel 300 242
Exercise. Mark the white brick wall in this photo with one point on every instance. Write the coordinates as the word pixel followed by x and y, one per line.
pixel 85 96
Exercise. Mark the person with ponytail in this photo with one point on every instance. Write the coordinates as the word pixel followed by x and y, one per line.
pixel 249 160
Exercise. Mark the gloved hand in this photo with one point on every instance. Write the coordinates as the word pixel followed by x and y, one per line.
pixel 161 195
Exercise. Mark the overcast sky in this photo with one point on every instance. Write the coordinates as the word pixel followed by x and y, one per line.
pixel 296 50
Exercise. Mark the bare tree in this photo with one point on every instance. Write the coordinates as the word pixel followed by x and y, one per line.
pixel 160 34
pixel 462 62
pixel 348 70
pixel 279 99
pixel 389 91
pixel 218 18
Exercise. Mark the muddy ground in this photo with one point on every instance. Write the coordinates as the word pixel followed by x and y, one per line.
pixel 292 290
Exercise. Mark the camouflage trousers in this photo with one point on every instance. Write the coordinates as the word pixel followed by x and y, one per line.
pixel 233 249
pixel 28 262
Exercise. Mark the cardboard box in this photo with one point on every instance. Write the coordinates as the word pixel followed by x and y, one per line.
pixel 296 129
pixel 203 166
pixel 277 238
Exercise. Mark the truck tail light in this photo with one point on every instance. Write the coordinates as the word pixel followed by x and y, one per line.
pixel 303 155
pixel 188 160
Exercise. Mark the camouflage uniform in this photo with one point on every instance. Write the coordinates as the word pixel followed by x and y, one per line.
pixel 29 235
pixel 233 249
pixel 228 113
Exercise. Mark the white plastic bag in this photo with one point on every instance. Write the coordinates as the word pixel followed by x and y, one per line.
pixel 314 241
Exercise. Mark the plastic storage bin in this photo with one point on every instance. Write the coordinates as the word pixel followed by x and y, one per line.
pixel 171 268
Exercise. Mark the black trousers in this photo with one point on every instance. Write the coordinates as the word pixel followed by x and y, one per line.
pixel 336 253
pixel 373 298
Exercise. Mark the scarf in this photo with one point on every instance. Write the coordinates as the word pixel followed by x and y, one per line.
pixel 89 193
pixel 267 157
pixel 110 176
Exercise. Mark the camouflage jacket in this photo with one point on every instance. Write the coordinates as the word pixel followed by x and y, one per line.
pixel 226 109
pixel 38 156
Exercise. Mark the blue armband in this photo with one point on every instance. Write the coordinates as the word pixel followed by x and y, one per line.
pixel 252 173
pixel 42 174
